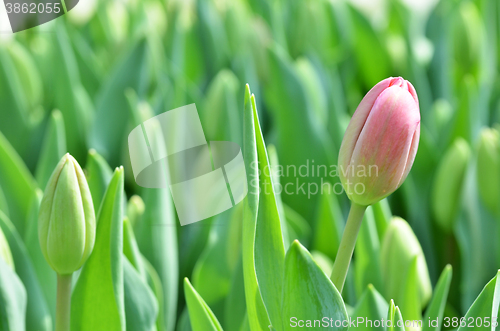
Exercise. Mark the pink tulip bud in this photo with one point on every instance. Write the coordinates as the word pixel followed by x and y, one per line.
pixel 381 142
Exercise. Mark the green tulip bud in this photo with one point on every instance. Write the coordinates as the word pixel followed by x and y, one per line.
pixel 135 209
pixel 400 247
pixel 5 252
pixel 488 168
pixel 447 187
pixel 66 221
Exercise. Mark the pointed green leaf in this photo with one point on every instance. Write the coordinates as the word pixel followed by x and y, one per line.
pixel 131 249
pixel 141 307
pixel 200 315
pixel 257 315
pixel 329 225
pixel 98 174
pixel 53 148
pixel 12 300
pixel 97 300
pixel 371 307
pixel 37 312
pixel 269 245
pixel 15 179
pixel 395 318
pixel 45 274
pixel 156 235
pixel 308 293
pixel 485 308
pixel 438 302
pixel 108 130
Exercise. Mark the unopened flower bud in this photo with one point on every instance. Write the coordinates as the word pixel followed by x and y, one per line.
pixel 400 247
pixel 66 221
pixel 381 142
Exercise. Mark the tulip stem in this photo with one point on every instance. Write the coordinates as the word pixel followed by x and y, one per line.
pixel 346 248
pixel 63 305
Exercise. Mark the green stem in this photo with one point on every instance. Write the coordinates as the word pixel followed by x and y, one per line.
pixel 344 254
pixel 63 305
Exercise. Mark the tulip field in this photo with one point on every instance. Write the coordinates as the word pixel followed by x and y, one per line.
pixel 370 137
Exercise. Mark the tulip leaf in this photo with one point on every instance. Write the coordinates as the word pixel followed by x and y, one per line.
pixel 71 98
pixel 15 179
pixel 269 244
pixel 329 225
pixel 383 215
pixel 367 251
pixel 141 307
pixel 108 130
pixel 235 307
pixel 438 302
pixel 131 249
pixel 98 174
pixel 154 282
pixel 156 234
pixel 97 300
pixel 411 302
pixel 371 307
pixel 291 107
pixel 200 315
pixel 12 300
pixel 212 274
pixel 44 272
pixel 257 315
pixel 397 323
pixel 37 312
pixel 53 148
pixel 484 308
pixel 4 206
pixel 308 293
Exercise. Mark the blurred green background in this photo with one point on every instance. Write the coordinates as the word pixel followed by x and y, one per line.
pixel 85 80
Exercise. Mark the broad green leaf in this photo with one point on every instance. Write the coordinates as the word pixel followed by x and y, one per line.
pixel 329 225
pixel 383 215
pixel 394 315
pixel 71 98
pixel 308 293
pixel 17 182
pixel 220 118
pixel 374 65
pixel 108 130
pixel 200 315
pixel 297 227
pixel 141 307
pixel 98 174
pixel 17 119
pixel 213 271
pixel 257 315
pixel 367 252
pixel 235 306
pixel 45 275
pixel 485 307
pixel 53 148
pixel 297 131
pixel 411 302
pixel 97 300
pixel 154 282
pixel 131 249
pixel 37 312
pixel 269 245
pixel 438 302
pixel 12 300
pixel 371 307
pixel 156 235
